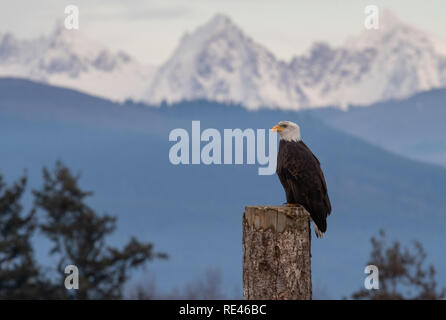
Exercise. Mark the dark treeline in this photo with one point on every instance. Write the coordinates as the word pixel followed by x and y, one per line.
pixel 78 236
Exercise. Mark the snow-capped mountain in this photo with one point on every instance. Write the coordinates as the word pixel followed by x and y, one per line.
pixel 393 62
pixel 68 58
pixel 218 61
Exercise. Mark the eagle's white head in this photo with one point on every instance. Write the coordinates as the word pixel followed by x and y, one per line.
pixel 288 131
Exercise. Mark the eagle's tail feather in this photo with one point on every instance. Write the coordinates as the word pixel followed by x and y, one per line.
pixel 319 234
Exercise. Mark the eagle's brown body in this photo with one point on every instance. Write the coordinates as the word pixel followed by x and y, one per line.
pixel 302 178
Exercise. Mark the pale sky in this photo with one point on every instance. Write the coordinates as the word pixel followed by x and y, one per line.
pixel 150 30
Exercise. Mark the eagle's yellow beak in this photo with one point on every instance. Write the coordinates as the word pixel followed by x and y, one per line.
pixel 277 128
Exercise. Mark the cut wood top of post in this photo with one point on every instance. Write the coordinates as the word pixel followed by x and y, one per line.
pixel 279 218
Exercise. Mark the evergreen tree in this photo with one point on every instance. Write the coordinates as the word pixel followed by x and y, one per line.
pixel 19 274
pixel 78 235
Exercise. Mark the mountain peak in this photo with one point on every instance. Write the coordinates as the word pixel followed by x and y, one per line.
pixel 220 22
pixel 392 33
pixel 218 25
pixel 218 62
pixel 74 41
pixel 390 19
pixel 70 58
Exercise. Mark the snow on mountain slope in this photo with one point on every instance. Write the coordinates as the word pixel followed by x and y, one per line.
pixel 393 62
pixel 69 59
pixel 219 62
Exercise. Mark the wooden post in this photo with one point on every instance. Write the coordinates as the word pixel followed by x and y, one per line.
pixel 276 253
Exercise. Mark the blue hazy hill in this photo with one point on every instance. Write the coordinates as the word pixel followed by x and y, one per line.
pixel 413 127
pixel 193 212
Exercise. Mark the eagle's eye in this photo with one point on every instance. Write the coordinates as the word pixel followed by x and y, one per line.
pixel 284 125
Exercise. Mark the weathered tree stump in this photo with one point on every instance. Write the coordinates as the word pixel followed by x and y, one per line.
pixel 276 253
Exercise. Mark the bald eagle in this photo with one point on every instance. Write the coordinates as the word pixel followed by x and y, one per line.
pixel 301 176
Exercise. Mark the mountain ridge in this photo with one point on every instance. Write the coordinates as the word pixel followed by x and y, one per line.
pixel 68 58
pixel 217 61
